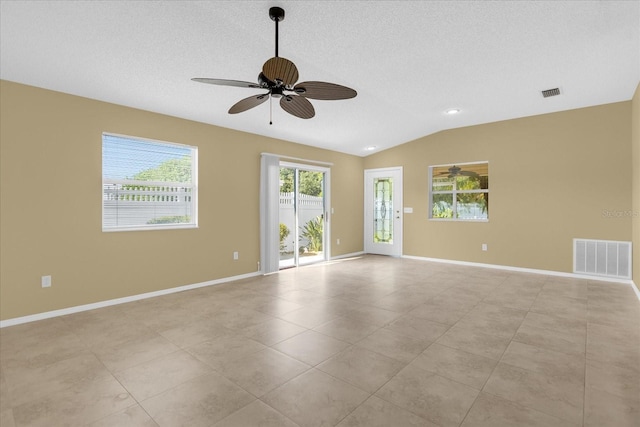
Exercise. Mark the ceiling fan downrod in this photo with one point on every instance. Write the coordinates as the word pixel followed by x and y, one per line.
pixel 276 14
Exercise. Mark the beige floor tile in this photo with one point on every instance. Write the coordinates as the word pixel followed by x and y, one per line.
pixel 134 352
pixel 315 399
pixel 436 311
pixel 567 338
pixel 133 416
pixel 260 372
pixel 154 377
pixel 511 298
pixel 27 385
pixel 311 347
pixel 552 339
pixel 457 365
pixel 97 331
pixel 165 318
pixel 302 297
pixel 415 327
pixel 40 347
pixel 611 345
pixel 85 403
pixel 272 331
pixel 195 332
pixel 493 320
pixel 546 394
pixel 558 365
pixel 201 401
pixel 401 301
pixel 391 344
pixel 555 287
pixel 376 412
pixel 438 399
pixel 278 306
pixel 572 308
pixel 361 367
pixel 6 418
pixel 492 411
pixel 5 395
pixel 347 329
pixel 618 316
pixel 311 316
pixel 555 322
pixel 474 342
pixel 256 414
pixel 224 349
pixel 621 382
pixel 372 315
pixel 239 318
pixel 366 294
pixel 604 409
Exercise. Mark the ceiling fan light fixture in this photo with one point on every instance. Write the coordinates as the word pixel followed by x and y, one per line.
pixel 279 75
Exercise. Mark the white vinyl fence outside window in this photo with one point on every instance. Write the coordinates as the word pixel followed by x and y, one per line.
pixel 148 184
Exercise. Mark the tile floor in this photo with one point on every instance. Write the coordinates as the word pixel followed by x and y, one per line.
pixel 372 341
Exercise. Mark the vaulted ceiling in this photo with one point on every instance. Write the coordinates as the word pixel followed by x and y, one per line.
pixel 409 61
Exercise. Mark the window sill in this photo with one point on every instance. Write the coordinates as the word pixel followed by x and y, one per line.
pixel 149 228
pixel 457 220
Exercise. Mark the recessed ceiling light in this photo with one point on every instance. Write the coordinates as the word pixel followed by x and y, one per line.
pixel 371 148
pixel 452 111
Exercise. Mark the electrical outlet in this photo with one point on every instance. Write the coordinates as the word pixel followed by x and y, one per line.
pixel 337 241
pixel 236 256
pixel 484 247
pixel 46 281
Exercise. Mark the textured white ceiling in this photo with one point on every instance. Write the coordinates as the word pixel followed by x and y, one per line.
pixel 409 60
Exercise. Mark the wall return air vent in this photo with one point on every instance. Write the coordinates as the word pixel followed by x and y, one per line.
pixel 605 258
pixel 551 92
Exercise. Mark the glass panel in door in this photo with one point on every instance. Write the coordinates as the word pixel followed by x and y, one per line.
pixel 310 210
pixel 383 210
pixel 288 225
pixel 301 217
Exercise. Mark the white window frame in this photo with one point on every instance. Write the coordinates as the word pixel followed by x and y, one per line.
pixel 193 186
pixel 454 192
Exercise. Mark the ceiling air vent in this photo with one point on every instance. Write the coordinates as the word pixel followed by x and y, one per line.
pixel 551 92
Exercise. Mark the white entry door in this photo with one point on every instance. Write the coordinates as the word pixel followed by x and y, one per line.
pixel 383 211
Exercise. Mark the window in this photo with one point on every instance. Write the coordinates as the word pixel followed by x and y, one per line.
pixel 459 192
pixel 148 184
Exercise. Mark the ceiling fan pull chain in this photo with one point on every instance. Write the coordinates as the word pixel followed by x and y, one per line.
pixel 271 107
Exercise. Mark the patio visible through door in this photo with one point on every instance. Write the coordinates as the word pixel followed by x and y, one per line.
pixel 302 214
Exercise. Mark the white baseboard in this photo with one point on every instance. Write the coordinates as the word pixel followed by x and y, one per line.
pixel 351 255
pixel 529 270
pixel 101 304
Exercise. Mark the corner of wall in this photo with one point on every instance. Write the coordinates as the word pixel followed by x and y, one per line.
pixel 635 184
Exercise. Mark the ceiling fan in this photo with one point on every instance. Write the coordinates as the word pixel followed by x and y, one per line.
pixel 454 171
pixel 279 77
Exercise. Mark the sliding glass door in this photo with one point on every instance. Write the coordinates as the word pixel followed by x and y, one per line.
pixel 302 216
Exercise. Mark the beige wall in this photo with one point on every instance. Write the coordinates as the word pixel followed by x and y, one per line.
pixel 635 142
pixel 50 217
pixel 551 179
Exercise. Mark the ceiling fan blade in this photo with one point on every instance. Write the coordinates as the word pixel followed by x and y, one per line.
pixel 469 173
pixel 248 103
pixel 297 106
pixel 324 90
pixel 223 82
pixel 280 69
